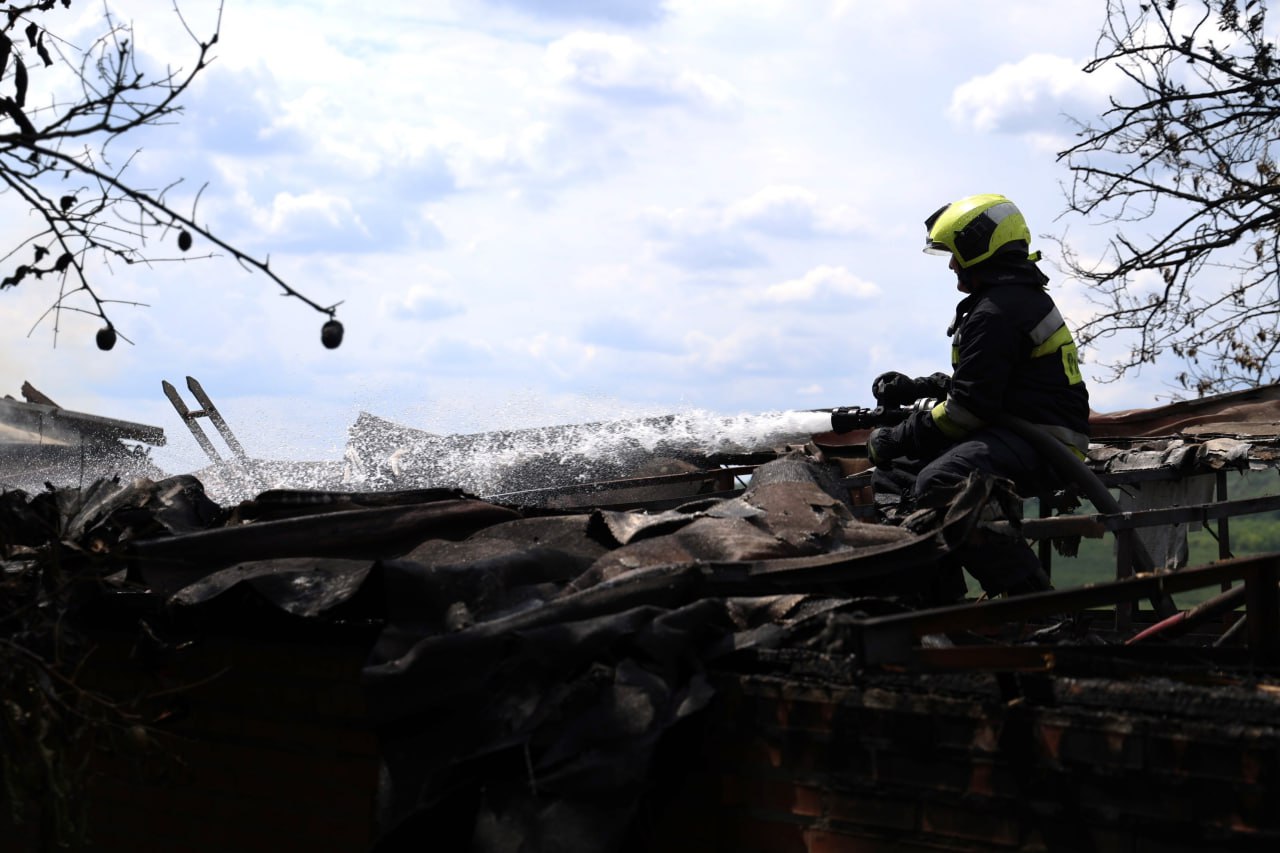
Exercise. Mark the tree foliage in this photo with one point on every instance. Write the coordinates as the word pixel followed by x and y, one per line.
pixel 66 112
pixel 1184 164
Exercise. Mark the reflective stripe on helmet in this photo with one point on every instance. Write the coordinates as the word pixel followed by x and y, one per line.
pixel 975 228
pixel 1002 211
pixel 977 239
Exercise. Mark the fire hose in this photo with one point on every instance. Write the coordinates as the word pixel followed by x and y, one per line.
pixel 1069 467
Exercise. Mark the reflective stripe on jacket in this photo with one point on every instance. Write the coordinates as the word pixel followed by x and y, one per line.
pixel 1011 352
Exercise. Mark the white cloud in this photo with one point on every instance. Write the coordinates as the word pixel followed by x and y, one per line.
pixel 730 236
pixel 717 354
pixel 755 352
pixel 618 11
pixel 331 220
pixel 622 68
pixel 562 356
pixel 1033 94
pixel 420 302
pixel 790 211
pixel 343 144
pixel 625 333
pixel 825 284
pixel 455 355
pixel 529 158
pixel 713 250
pixel 311 216
pixel 776 211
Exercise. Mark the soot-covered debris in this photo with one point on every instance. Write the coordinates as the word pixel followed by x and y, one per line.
pixel 527 662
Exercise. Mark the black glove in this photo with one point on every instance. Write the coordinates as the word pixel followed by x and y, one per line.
pixel 898 389
pixel 935 386
pixel 883 446
pixel 893 389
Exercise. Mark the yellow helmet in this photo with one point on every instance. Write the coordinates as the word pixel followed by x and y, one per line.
pixel 975 228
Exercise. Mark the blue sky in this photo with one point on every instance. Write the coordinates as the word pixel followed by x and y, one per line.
pixel 544 212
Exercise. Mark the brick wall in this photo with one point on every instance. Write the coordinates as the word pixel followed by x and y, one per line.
pixel 261 743
pixel 907 767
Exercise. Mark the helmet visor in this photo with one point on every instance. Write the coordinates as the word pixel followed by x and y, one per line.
pixel 932 246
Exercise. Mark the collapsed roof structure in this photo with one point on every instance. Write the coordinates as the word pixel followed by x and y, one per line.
pixel 689 659
pixel 40 441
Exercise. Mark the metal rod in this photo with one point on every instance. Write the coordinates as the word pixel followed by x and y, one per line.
pixel 1263 611
pixel 1224 524
pixel 889 639
pixel 212 413
pixel 1045 546
pixel 1180 623
pixel 188 418
pixel 1124 569
pixel 1097 524
pixel 1232 632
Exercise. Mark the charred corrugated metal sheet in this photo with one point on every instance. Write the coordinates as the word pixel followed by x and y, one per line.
pixel 41 442
pixel 1252 412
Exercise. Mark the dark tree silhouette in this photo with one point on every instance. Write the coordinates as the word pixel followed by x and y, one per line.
pixel 63 155
pixel 1184 163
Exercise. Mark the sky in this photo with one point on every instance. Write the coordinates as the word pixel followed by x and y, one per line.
pixel 557 211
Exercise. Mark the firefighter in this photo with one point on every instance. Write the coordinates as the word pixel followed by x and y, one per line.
pixel 1011 353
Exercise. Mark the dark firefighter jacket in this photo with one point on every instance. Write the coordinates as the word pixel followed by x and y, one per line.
pixel 1011 352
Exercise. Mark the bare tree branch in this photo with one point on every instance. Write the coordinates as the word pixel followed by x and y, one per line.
pixel 1190 152
pixel 46 147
